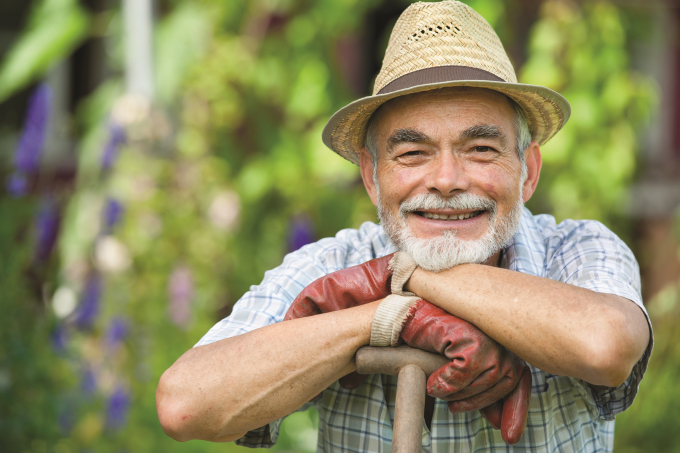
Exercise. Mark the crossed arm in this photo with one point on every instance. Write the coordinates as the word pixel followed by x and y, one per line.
pixel 561 329
pixel 220 391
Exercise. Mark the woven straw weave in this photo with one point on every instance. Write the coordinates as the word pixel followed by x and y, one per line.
pixel 444 34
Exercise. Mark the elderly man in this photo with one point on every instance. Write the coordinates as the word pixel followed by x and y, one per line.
pixel 448 148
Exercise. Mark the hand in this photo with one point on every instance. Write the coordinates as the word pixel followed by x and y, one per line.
pixel 343 289
pixel 480 374
pixel 508 414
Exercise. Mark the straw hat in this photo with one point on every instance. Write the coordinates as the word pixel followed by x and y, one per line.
pixel 437 45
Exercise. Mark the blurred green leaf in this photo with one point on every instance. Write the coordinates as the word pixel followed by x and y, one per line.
pixel 651 422
pixel 55 28
pixel 581 51
pixel 180 40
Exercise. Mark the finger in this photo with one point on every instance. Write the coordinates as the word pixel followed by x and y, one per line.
pixel 465 379
pixel 352 380
pixel 451 379
pixel 490 377
pixel 483 391
pixel 466 392
pixel 516 410
pixel 481 400
pixel 493 414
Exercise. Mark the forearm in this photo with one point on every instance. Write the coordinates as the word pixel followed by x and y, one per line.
pixel 222 390
pixel 556 327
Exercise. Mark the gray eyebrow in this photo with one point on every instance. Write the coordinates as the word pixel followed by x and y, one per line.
pixel 406 136
pixel 484 131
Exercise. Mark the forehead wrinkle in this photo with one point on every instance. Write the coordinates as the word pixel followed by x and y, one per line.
pixel 484 131
pixel 406 135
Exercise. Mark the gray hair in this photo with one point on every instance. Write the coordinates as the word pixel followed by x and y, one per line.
pixel 523 137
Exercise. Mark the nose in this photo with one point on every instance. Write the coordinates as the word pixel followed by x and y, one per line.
pixel 448 175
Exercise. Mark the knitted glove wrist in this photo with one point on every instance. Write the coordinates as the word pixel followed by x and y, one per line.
pixel 389 319
pixel 402 266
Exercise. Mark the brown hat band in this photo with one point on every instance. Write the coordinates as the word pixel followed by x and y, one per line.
pixel 437 75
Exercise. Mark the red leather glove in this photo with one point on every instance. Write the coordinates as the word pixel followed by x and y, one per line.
pixel 480 374
pixel 343 289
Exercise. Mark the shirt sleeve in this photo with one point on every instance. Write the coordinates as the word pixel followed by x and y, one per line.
pixel 268 302
pixel 593 257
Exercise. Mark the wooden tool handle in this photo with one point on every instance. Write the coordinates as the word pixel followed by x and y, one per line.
pixel 390 360
pixel 412 366
pixel 407 436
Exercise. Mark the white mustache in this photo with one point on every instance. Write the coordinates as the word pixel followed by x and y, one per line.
pixel 461 201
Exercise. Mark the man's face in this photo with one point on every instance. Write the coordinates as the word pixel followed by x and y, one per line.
pixel 449 187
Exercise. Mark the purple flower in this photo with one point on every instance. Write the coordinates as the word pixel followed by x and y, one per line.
pixel 118 329
pixel 88 382
pixel 29 149
pixel 27 155
pixel 47 227
pixel 59 338
pixel 301 232
pixel 181 293
pixel 116 138
pixel 87 311
pixel 113 211
pixel 17 184
pixel 117 408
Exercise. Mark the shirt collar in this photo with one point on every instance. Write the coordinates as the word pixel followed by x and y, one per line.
pixel 526 251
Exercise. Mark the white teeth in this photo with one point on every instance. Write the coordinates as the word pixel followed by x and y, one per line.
pixel 431 215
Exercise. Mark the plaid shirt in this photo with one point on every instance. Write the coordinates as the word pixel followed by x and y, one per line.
pixel 566 414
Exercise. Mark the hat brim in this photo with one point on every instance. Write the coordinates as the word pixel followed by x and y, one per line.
pixel 546 110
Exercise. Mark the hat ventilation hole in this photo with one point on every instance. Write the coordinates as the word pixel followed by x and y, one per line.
pixel 435 30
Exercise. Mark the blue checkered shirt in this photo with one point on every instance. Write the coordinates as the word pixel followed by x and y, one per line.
pixel 566 414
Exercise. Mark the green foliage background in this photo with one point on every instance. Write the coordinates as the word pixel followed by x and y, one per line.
pixel 212 174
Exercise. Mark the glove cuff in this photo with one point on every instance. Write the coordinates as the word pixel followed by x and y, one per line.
pixel 402 266
pixel 389 319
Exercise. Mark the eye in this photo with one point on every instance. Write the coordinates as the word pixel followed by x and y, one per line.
pixel 410 155
pixel 483 149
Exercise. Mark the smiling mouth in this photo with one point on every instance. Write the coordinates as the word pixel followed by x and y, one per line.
pixel 433 216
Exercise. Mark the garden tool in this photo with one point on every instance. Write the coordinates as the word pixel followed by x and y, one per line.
pixel 412 366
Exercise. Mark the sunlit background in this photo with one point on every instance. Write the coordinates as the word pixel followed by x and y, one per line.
pixel 157 156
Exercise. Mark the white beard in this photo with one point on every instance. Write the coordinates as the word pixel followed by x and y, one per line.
pixel 447 251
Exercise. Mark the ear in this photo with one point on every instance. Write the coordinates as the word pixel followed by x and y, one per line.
pixel 366 168
pixel 532 156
